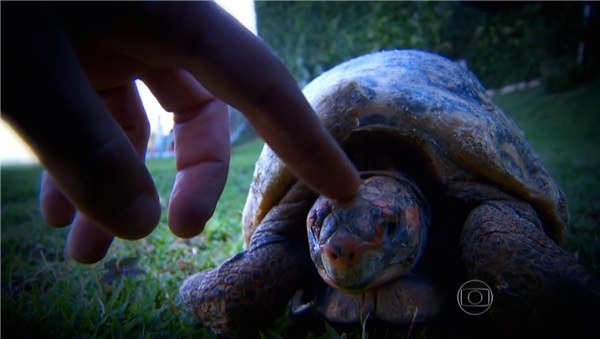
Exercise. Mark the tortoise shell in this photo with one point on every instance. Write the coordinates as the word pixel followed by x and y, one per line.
pixel 473 150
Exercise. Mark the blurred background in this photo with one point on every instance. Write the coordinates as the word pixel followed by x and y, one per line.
pixel 501 42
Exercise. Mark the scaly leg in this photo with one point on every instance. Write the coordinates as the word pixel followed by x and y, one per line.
pixel 252 288
pixel 537 285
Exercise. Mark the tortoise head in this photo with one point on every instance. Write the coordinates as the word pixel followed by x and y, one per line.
pixel 376 238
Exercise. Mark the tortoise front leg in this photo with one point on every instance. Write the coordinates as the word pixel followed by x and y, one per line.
pixel 535 282
pixel 252 288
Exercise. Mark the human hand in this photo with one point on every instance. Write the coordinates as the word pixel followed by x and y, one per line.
pixel 68 88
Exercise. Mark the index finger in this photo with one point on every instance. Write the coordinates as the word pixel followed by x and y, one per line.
pixel 238 68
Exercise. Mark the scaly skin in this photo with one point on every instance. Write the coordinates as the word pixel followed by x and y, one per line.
pixel 251 288
pixel 535 282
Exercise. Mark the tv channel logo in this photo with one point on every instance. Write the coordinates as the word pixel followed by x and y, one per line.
pixel 475 297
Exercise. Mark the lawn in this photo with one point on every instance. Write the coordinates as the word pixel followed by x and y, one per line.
pixel 133 292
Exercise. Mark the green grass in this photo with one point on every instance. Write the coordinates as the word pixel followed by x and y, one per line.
pixel 45 293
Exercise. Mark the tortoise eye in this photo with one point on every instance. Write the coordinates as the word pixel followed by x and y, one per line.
pixel 315 221
pixel 316 229
pixel 322 213
pixel 317 216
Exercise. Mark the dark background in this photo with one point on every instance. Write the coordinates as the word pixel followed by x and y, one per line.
pixel 501 42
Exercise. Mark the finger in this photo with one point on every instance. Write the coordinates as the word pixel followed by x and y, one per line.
pixel 125 105
pixel 238 68
pixel 87 242
pixel 201 148
pixel 78 142
pixel 56 209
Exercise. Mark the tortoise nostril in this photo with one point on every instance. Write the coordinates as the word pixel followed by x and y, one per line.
pixel 343 251
pixel 334 253
pixel 333 256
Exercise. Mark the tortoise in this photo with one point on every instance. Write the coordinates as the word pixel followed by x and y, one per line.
pixel 450 191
